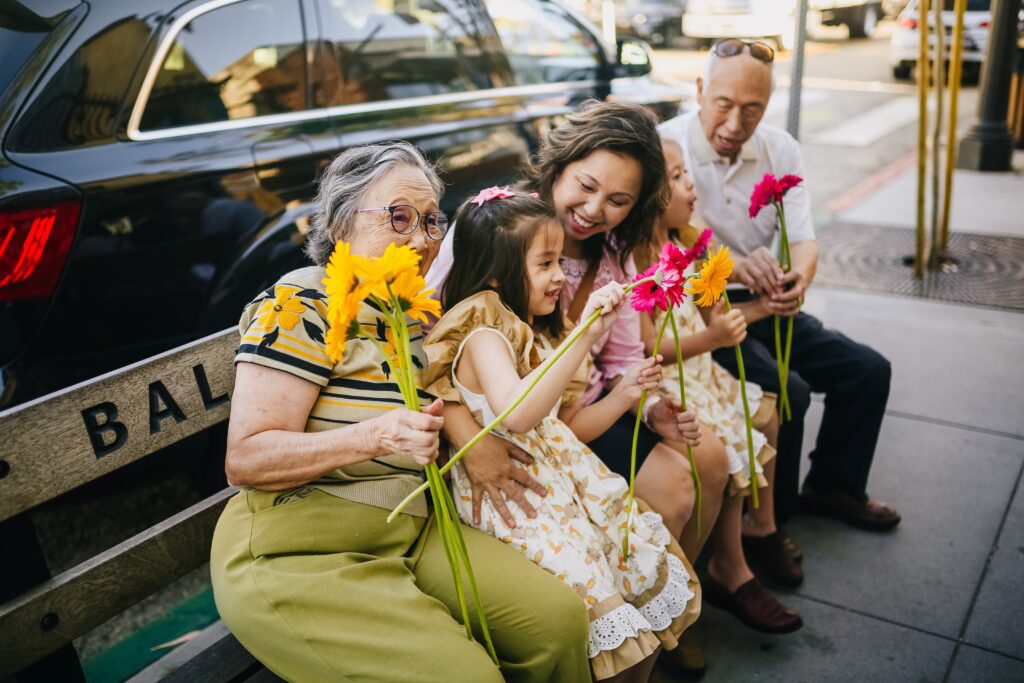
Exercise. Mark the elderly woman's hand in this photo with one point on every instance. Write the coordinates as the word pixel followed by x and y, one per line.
pixel 408 433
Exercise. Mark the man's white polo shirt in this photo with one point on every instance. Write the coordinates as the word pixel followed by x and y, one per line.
pixel 724 189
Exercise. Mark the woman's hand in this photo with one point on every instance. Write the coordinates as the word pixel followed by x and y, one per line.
pixel 727 328
pixel 491 468
pixel 645 375
pixel 409 433
pixel 670 423
pixel 607 298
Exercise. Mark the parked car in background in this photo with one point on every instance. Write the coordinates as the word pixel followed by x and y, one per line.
pixel 904 48
pixel 775 19
pixel 159 157
pixel 659 22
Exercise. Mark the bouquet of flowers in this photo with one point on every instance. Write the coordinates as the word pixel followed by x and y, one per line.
pixel 771 190
pixel 392 284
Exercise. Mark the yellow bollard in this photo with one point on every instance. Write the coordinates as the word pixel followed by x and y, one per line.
pixel 938 75
pixel 956 67
pixel 922 133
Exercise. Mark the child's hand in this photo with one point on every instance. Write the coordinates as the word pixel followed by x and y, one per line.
pixel 726 328
pixel 607 298
pixel 645 375
pixel 669 422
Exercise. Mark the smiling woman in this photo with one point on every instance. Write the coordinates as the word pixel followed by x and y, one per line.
pixel 306 571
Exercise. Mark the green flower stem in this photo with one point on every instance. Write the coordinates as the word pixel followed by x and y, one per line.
pixel 746 413
pixel 632 451
pixel 782 353
pixel 444 507
pixel 577 333
pixel 697 490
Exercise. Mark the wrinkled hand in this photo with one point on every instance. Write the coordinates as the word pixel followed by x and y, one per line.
pixel 409 433
pixel 491 468
pixel 758 271
pixel 608 298
pixel 789 297
pixel 670 423
pixel 645 375
pixel 727 328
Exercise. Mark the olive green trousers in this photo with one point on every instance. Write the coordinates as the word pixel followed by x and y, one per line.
pixel 323 589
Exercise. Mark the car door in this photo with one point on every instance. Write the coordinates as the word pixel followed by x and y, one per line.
pixel 213 160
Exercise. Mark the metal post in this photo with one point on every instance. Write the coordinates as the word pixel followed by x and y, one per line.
pixel 956 59
pixel 922 133
pixel 988 145
pixel 938 76
pixel 797 76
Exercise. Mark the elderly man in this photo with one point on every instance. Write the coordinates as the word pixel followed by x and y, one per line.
pixel 728 150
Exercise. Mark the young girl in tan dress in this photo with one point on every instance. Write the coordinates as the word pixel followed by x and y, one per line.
pixel 505 278
pixel 715 393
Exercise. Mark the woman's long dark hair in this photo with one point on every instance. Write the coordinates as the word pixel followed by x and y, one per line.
pixel 489 251
pixel 626 129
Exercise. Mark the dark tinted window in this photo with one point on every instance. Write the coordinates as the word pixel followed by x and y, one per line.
pixel 972 5
pixel 390 49
pixel 80 103
pixel 235 62
pixel 543 44
pixel 16 46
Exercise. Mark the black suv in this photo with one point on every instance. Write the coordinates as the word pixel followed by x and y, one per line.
pixel 159 157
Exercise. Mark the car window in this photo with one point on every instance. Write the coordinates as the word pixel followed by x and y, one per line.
pixel 238 61
pixel 391 49
pixel 543 44
pixel 16 46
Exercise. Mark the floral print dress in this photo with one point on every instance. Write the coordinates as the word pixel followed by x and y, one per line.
pixel 635 605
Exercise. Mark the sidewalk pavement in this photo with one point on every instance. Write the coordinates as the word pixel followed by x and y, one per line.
pixel 941 598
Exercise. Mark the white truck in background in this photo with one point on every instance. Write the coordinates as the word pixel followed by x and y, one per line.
pixel 775 19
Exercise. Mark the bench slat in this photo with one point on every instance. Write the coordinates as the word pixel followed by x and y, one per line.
pixel 58 442
pixel 87 595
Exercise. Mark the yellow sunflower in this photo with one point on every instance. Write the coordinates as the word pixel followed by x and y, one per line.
pixel 714 275
pixel 283 309
pixel 413 296
pixel 379 272
pixel 344 299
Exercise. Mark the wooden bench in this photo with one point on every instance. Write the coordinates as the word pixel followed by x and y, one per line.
pixel 63 441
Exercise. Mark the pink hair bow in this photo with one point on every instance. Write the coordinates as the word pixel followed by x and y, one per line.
pixel 493 193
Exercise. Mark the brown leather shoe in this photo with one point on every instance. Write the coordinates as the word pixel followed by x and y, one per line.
pixel 687 659
pixel 858 511
pixel 770 557
pixel 753 605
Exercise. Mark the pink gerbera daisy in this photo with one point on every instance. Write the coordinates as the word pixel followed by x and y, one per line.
pixel 673 264
pixel 699 247
pixel 766 192
pixel 649 295
pixel 788 182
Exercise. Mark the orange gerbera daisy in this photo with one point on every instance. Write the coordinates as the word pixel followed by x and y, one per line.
pixel 344 299
pixel 714 275
pixel 413 296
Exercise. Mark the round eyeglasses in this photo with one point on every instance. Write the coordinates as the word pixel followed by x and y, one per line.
pixel 405 219
pixel 730 47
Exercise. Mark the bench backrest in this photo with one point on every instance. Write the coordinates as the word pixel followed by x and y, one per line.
pixel 59 442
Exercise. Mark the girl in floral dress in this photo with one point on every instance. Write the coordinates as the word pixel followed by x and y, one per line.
pixel 716 395
pixel 483 352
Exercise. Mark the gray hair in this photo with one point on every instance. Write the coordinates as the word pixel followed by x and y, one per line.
pixel 345 184
pixel 713 59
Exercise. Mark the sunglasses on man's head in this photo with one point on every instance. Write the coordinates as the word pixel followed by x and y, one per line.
pixel 730 47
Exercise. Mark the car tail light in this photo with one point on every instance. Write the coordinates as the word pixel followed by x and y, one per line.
pixel 34 245
pixel 909 22
pixel 984 24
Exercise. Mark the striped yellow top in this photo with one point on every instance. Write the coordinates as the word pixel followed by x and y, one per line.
pixel 284 328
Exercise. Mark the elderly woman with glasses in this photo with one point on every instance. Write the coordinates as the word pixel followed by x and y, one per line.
pixel 306 571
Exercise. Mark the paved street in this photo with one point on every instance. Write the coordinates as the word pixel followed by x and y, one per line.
pixel 941 598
